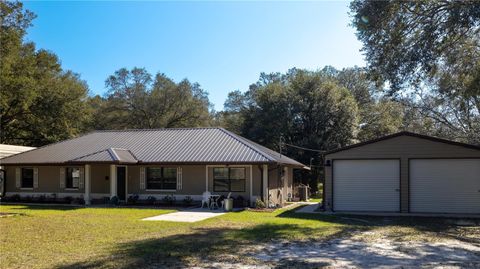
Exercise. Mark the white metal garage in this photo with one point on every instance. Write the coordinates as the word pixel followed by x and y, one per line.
pixel 445 185
pixel 366 185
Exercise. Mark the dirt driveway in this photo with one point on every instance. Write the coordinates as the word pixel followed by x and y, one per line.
pixel 381 247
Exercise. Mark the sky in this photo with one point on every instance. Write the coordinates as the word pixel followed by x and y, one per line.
pixel 224 46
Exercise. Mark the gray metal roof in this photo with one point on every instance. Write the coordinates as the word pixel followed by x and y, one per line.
pixel 108 155
pixel 184 145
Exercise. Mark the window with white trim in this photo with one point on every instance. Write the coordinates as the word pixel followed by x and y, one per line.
pixel 229 179
pixel 72 177
pixel 161 178
pixel 27 178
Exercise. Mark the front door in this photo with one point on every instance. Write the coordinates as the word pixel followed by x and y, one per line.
pixel 121 178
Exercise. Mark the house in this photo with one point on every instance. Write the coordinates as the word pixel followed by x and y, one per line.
pixel 158 162
pixel 7 150
pixel 404 172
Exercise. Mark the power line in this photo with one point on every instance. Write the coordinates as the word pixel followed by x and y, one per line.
pixel 298 147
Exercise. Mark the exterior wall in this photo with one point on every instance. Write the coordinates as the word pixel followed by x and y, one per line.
pixel 194 182
pixel 100 179
pixel 403 148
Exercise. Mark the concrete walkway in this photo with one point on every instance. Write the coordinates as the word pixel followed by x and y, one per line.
pixel 188 215
pixel 309 208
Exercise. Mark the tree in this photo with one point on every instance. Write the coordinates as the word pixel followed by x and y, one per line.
pixel 307 109
pixel 426 52
pixel 135 100
pixel 40 103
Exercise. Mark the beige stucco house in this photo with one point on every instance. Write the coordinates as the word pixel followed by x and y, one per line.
pixel 404 172
pixel 159 162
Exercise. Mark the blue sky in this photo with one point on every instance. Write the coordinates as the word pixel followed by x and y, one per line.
pixel 221 45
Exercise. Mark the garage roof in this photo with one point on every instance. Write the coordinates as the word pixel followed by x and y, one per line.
pixel 179 145
pixel 405 133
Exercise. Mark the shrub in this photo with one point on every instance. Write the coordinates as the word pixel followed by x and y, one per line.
pixel 239 201
pixel 169 199
pixel 188 200
pixel 132 199
pixel 27 198
pixel 259 204
pixel 79 201
pixel 15 198
pixel 42 198
pixel 114 200
pixel 151 200
pixel 53 197
pixel 68 199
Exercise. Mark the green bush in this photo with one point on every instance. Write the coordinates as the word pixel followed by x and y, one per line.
pixel 259 204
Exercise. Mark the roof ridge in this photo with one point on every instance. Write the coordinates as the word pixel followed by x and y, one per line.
pixel 253 147
pixel 47 145
pixel 90 154
pixel 407 133
pixel 154 129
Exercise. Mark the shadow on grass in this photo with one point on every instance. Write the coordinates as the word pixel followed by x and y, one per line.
pixel 61 207
pixel 213 247
pixel 187 250
pixel 440 226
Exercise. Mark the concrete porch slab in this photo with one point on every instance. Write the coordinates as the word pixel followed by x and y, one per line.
pixel 188 215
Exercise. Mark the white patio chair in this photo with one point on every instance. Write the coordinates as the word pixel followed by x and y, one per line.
pixel 206 199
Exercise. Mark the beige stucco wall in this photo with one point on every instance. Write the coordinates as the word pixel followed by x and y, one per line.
pixel 100 178
pixel 193 182
pixel 403 148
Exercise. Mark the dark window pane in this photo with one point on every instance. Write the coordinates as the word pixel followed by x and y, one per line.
pixel 237 185
pixel 170 173
pixel 220 185
pixel 237 173
pixel 27 177
pixel 220 173
pixel 161 178
pixel 72 177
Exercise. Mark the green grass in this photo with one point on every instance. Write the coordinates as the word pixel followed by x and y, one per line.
pixel 67 237
pixel 316 200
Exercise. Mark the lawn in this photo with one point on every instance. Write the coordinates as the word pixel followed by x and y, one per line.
pixel 69 237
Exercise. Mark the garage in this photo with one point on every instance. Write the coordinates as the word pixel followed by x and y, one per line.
pixel 445 186
pixel 406 173
pixel 366 185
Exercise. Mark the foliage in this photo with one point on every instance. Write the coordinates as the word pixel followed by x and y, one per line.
pixel 151 200
pixel 135 100
pixel 428 54
pixel 259 204
pixel 40 102
pixel 187 200
pixel 114 200
pixel 169 199
pixel 133 199
pixel 307 109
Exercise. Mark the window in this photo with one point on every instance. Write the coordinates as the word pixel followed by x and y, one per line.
pixel 27 178
pixel 72 177
pixel 229 179
pixel 161 178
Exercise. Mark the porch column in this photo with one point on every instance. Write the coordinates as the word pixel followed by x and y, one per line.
pixel 88 177
pixel 206 177
pixel 252 203
pixel 265 184
pixel 113 180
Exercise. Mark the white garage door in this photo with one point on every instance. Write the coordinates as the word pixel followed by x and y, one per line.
pixel 366 185
pixel 445 186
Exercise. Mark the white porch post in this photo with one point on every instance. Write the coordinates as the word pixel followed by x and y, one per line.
pixel 206 177
pixel 252 203
pixel 265 184
pixel 113 180
pixel 87 177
